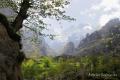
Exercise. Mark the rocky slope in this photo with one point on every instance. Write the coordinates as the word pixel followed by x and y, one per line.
pixel 105 40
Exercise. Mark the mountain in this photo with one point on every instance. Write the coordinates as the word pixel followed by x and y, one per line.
pixel 69 49
pixel 45 49
pixel 105 40
pixel 33 47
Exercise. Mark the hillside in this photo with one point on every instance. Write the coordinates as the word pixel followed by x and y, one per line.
pixel 105 40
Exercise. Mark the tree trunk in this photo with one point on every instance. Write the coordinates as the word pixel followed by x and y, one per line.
pixel 10 56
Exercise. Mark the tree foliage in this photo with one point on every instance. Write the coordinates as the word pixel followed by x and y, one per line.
pixel 32 13
pixel 72 68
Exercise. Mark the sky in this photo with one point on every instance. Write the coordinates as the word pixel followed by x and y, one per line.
pixel 90 15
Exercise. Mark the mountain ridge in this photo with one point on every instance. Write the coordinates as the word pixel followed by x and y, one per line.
pixel 106 40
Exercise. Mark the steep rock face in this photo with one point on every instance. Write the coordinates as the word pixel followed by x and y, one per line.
pixel 10 60
pixel 106 40
pixel 69 49
pixel 36 48
pixel 45 49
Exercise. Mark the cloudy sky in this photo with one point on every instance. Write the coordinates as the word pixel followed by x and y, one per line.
pixel 90 16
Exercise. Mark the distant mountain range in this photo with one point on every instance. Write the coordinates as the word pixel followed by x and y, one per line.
pixel 36 48
pixel 45 49
pixel 103 41
pixel 69 48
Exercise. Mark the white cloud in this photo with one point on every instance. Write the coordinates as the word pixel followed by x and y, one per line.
pixel 109 9
pixel 106 17
pixel 88 28
pixel 103 7
pixel 109 6
pixel 103 20
pixel 106 5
